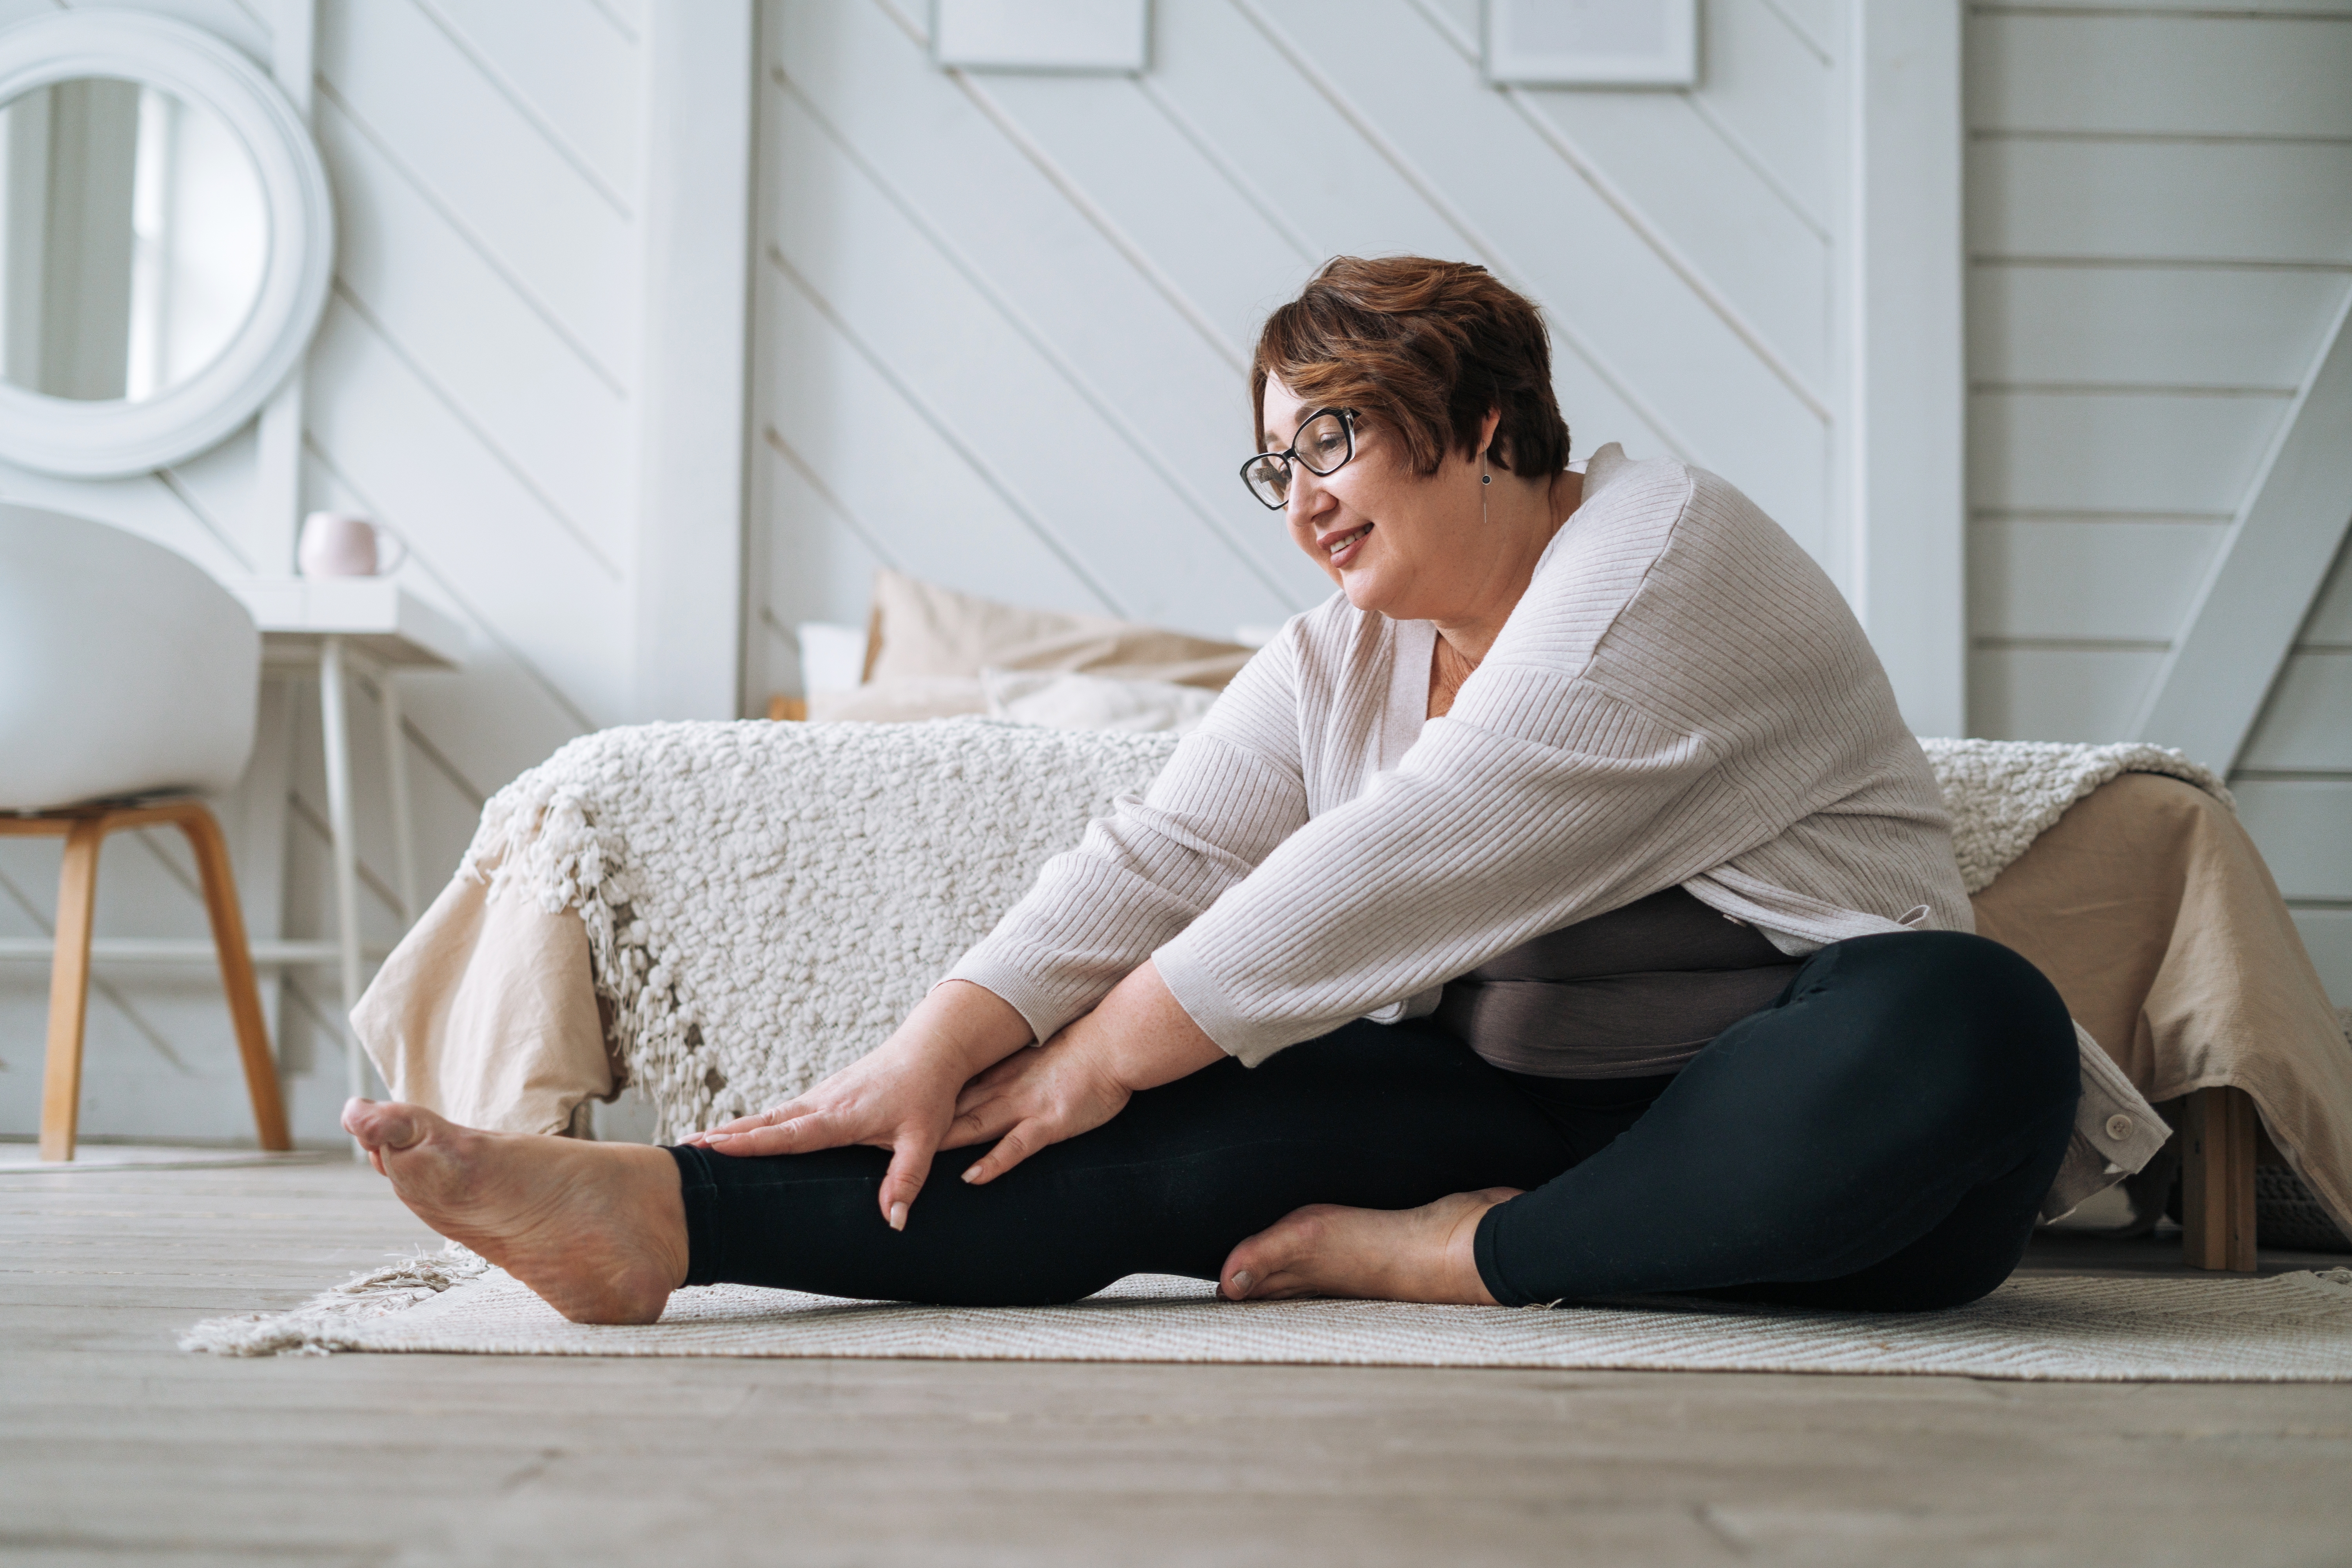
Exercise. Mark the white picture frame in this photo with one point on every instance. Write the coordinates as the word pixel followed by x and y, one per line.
pixel 114 439
pixel 1589 43
pixel 1081 37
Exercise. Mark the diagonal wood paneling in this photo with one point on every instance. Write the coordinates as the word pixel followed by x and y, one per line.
pixel 472 387
pixel 1050 283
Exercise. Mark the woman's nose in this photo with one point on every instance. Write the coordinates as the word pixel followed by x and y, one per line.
pixel 1307 494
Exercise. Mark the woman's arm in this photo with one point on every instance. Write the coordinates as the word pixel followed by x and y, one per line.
pixel 1147 869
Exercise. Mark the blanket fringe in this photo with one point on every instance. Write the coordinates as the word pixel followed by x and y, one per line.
pixel 321 1325
pixel 540 840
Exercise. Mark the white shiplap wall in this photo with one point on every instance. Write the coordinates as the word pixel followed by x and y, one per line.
pixel 475 385
pixel 1002 321
pixel 2160 233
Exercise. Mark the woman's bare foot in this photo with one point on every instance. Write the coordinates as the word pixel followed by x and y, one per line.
pixel 1382 1255
pixel 597 1229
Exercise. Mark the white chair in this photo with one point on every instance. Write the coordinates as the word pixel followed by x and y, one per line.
pixel 128 683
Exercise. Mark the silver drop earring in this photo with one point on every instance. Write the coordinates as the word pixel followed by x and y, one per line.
pixel 1484 479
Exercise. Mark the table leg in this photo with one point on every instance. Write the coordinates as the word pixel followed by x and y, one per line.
pixel 337 735
pixel 395 768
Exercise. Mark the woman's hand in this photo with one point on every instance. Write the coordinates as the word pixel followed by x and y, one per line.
pixel 1139 1037
pixel 901 1098
pixel 1032 1099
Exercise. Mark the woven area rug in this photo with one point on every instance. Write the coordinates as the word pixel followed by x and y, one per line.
pixel 2292 1328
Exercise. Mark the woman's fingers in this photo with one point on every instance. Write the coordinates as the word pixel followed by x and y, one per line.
pixel 1031 1135
pixel 805 1131
pixel 910 1163
pixel 979 1123
pixel 791 1110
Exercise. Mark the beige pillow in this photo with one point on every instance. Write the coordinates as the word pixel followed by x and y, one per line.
pixel 1075 699
pixel 922 630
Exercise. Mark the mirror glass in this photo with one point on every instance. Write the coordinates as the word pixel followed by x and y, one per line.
pixel 133 239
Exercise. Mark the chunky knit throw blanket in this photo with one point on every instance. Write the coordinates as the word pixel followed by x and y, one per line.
pixel 764 902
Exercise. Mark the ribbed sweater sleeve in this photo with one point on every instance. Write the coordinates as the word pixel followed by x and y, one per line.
pixel 1233 790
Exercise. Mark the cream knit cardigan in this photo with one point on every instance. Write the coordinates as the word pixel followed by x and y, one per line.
pixel 1681 697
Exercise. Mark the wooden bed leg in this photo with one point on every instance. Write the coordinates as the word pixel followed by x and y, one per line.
pixel 2217 1180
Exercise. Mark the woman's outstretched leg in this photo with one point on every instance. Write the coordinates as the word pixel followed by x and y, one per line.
pixel 597 1229
pixel 1379 1117
pixel 1370 1116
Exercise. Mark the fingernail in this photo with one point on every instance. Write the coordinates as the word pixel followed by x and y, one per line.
pixel 971 1172
pixel 1243 1279
pixel 897 1217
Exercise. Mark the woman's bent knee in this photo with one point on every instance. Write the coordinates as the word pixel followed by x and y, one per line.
pixel 1967 1012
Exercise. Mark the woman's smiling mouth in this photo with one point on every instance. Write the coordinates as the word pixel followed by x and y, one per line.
pixel 1343 548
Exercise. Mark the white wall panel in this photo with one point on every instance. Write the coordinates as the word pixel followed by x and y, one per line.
pixel 2328 937
pixel 2157 326
pixel 1052 284
pixel 2331 618
pixel 1769 257
pixel 475 387
pixel 2104 580
pixel 587 94
pixel 2304 727
pixel 370 416
pixel 2053 692
pixel 2205 75
pixel 1338 195
pixel 2160 233
pixel 1770 82
pixel 2162 200
pixel 2243 8
pixel 565 248
pixel 511 374
pixel 2301 825
pixel 2180 452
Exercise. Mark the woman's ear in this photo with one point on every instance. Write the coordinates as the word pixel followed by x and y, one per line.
pixel 1486 427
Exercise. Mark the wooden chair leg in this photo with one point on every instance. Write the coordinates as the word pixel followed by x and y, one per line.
pixel 2219 1137
pixel 69 988
pixel 227 918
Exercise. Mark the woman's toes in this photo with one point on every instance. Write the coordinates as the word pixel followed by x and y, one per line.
pixel 386 1125
pixel 1270 1262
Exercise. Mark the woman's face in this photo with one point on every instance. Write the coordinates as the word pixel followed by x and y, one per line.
pixel 1398 542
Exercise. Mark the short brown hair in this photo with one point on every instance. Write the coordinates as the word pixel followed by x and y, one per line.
pixel 1430 346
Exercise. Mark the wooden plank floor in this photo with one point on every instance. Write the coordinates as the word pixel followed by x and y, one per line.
pixel 116 1448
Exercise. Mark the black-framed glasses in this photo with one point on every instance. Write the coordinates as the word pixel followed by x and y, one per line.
pixel 1324 444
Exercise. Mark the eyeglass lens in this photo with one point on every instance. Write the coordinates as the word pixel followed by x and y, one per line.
pixel 1322 446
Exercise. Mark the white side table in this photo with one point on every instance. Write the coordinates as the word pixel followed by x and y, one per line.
pixel 332 624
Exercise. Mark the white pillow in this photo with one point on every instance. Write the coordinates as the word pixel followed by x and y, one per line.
pixel 1067 699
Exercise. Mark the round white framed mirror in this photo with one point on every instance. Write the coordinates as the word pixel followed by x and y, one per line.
pixel 166 239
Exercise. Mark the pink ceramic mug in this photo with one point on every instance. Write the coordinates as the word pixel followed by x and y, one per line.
pixel 341 545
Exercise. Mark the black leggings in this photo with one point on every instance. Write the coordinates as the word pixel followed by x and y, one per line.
pixel 1880 1137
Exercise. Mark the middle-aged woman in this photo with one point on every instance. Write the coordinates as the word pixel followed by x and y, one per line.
pixel 1560 910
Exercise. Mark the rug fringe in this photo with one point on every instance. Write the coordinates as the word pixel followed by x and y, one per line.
pixel 321 1326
